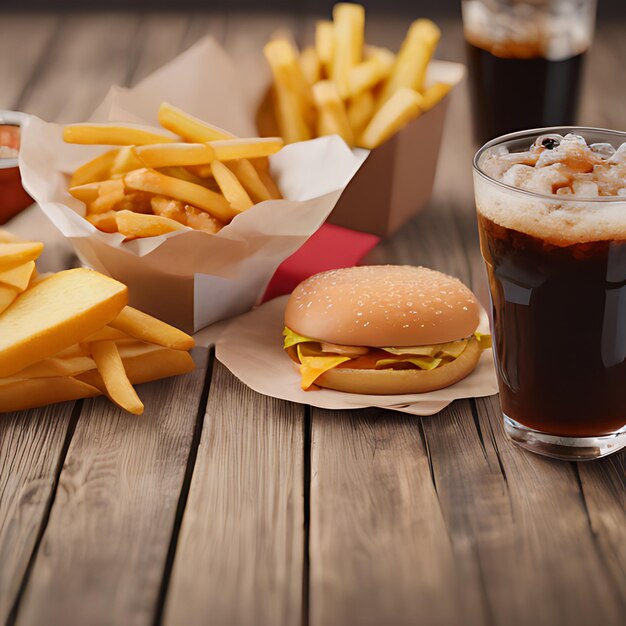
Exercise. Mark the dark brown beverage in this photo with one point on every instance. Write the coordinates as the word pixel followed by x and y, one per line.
pixel 513 87
pixel 559 315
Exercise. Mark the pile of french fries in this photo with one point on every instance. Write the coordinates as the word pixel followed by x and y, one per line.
pixel 70 335
pixel 342 86
pixel 155 183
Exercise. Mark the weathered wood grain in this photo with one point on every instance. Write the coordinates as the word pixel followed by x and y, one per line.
pixel 104 550
pixel 380 552
pixel 604 491
pixel 523 542
pixel 90 53
pixel 31 445
pixel 19 63
pixel 239 558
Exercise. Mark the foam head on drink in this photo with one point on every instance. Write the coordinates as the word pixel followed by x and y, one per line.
pixel 553 234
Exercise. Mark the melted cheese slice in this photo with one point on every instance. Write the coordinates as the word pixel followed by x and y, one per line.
pixel 312 367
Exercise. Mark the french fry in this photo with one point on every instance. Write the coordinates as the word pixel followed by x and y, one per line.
pixel 146 367
pixel 369 73
pixel 96 169
pixel 106 222
pixel 201 220
pixel 262 166
pixel 190 193
pixel 111 369
pixel 349 25
pixel 231 187
pixel 412 61
pixel 147 328
pixel 134 225
pixel 27 394
pixel 189 127
pixel 250 179
pixel 54 366
pixel 433 94
pixel 15 254
pixel 230 149
pixel 324 43
pixel 105 202
pixel 107 333
pixel 360 111
pixel 310 64
pixel 332 112
pixel 173 154
pixel 166 207
pixel 292 92
pixel 137 201
pixel 190 173
pixel 126 160
pixel 403 106
pixel 7 296
pixel 18 277
pixel 107 134
pixel 89 192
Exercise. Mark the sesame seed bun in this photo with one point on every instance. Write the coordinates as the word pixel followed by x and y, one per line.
pixel 383 306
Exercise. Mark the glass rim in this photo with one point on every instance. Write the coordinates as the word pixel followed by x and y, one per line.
pixel 561 130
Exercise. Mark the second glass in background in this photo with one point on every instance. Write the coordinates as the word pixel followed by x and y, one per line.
pixel 525 61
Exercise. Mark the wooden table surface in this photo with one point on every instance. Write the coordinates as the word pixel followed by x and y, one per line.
pixel 221 506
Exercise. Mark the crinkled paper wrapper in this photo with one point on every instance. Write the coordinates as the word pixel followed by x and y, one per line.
pixel 190 278
pixel 251 348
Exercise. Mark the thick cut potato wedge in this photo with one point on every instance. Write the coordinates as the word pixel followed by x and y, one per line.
pixel 18 277
pixel 13 255
pixel 56 313
pixel 7 297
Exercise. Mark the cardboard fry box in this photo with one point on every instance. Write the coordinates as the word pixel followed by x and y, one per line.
pixel 396 179
pixel 190 278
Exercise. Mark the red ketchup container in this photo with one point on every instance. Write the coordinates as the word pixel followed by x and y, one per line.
pixel 13 198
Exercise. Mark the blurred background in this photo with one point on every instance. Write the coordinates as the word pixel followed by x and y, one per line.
pixel 606 9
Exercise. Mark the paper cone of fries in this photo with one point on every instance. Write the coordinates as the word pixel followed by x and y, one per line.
pixel 187 277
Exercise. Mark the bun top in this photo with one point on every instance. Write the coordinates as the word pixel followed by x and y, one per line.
pixel 383 306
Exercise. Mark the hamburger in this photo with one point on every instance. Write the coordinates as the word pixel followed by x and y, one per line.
pixel 383 329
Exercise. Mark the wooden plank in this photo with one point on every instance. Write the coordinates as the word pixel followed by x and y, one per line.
pixel 19 63
pixel 32 442
pixel 239 558
pixel 379 549
pixel 604 492
pixel 159 39
pixel 541 565
pixel 31 450
pixel 91 53
pixel 104 550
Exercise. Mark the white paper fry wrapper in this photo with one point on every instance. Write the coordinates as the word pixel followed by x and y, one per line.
pixel 251 348
pixel 190 278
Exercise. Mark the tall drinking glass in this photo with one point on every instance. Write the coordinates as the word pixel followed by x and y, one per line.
pixel 555 251
pixel 525 60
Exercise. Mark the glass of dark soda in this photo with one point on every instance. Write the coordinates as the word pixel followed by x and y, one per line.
pixel 525 60
pixel 551 209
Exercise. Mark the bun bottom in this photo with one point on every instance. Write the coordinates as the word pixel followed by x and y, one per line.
pixel 396 382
